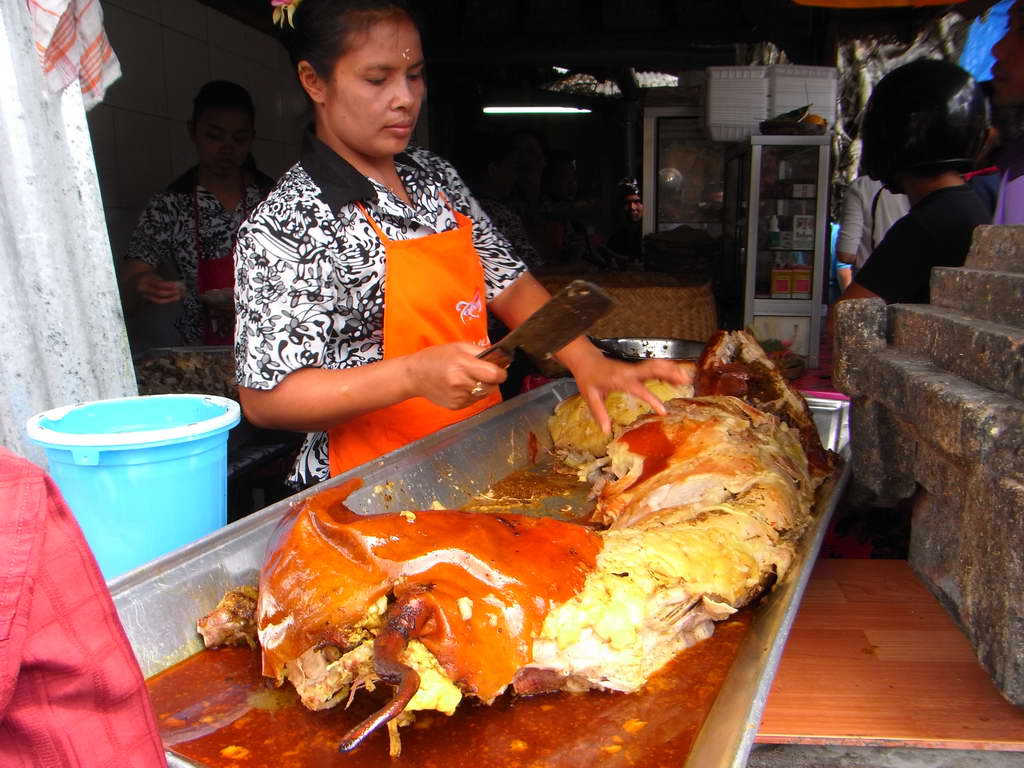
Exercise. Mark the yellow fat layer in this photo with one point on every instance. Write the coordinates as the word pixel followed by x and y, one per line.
pixel 436 691
pixel 573 427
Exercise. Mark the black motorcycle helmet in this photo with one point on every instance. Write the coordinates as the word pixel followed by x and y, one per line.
pixel 926 117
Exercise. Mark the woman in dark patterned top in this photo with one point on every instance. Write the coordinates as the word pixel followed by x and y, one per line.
pixel 363 281
pixel 180 250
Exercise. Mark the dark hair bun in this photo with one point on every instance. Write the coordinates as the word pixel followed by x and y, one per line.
pixel 323 29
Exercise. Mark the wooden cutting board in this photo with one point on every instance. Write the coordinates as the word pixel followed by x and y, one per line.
pixel 873 659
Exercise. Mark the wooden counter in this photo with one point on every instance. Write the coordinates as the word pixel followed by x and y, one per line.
pixel 873 659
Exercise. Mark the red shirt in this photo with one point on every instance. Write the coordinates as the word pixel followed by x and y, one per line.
pixel 71 692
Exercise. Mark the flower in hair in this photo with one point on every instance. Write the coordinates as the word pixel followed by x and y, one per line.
pixel 284 10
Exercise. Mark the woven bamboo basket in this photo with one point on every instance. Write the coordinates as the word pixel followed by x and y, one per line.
pixel 649 305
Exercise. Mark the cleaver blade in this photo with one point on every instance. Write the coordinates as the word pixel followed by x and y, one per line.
pixel 568 314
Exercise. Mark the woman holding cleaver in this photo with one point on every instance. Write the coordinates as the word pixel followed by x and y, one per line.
pixel 364 280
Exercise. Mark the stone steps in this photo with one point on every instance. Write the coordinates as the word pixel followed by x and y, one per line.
pixel 997 248
pixel 966 421
pixel 938 415
pixel 985 353
pixel 997 297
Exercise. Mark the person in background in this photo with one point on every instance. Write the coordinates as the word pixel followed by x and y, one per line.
pixel 986 176
pixel 867 213
pixel 1007 96
pixel 923 127
pixel 71 691
pixel 494 172
pixel 531 159
pixel 627 242
pixel 364 280
pixel 181 248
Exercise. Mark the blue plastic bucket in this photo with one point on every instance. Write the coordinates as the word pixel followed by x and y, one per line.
pixel 142 475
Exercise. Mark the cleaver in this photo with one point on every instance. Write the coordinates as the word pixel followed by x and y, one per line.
pixel 568 314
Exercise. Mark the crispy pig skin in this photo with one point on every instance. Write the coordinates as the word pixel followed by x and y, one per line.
pixel 733 363
pixel 705 450
pixel 326 566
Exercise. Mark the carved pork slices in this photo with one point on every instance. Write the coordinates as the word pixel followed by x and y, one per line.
pixel 701 509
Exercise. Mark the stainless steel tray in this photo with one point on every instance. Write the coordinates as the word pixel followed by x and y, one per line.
pixel 159 602
pixel 650 348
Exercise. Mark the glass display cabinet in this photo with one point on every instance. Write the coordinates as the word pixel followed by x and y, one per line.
pixel 682 172
pixel 775 228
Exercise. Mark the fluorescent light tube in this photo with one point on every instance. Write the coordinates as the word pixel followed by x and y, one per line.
pixel 535 111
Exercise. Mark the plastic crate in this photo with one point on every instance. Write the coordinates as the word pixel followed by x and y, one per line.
pixel 791 87
pixel 730 132
pixel 737 100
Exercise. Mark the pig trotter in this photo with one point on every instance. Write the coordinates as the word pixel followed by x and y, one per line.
pixel 405 620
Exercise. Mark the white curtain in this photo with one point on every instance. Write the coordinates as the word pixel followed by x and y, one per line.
pixel 63 336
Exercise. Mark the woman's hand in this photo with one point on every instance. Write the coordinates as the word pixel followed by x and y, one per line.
pixel 452 376
pixel 596 376
pixel 153 288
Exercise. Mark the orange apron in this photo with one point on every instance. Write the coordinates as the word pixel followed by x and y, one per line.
pixel 434 293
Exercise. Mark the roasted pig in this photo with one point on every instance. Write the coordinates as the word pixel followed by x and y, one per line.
pixel 701 510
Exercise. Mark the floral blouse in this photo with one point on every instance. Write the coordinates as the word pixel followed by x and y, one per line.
pixel 309 268
pixel 165 236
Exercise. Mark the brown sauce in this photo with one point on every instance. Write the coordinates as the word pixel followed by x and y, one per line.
pixel 532 488
pixel 217 710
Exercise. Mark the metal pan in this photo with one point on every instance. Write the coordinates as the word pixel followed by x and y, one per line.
pixel 650 348
pixel 159 602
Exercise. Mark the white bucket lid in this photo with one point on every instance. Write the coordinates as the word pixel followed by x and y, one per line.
pixel 42 434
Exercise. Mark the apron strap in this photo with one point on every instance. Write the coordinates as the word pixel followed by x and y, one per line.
pixel 372 223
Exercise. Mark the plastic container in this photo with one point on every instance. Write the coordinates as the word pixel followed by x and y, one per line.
pixel 142 475
pixel 792 86
pixel 737 100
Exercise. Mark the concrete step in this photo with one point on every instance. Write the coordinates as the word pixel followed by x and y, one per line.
pixel 968 422
pixel 988 354
pixel 985 294
pixel 999 248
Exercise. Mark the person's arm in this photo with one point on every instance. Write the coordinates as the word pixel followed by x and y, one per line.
pixel 288 309
pixel 150 244
pixel 596 375
pixel 844 276
pixel 851 224
pixel 141 280
pixel 514 295
pixel 316 399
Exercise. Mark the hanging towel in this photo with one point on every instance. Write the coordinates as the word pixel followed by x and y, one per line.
pixel 72 45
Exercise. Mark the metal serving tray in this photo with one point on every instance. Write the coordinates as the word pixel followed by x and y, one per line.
pixel 159 602
pixel 650 348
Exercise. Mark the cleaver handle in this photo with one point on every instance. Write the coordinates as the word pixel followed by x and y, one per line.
pixel 496 355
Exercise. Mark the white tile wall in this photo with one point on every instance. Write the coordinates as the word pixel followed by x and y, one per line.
pixel 101 129
pixel 137 41
pixel 167 50
pixel 186 16
pixel 143 154
pixel 227 34
pixel 148 8
pixel 187 67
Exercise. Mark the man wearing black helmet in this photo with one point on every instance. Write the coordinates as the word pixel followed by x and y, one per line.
pixel 924 124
